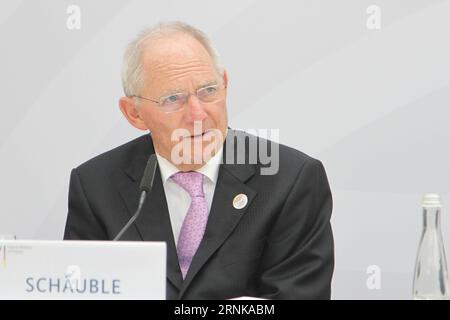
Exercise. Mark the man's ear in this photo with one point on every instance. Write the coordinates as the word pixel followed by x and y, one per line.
pixel 131 113
pixel 225 78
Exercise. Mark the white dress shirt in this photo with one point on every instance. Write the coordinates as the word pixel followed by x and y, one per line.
pixel 178 200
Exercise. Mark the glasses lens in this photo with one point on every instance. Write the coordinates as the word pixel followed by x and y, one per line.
pixel 176 101
pixel 172 102
pixel 208 94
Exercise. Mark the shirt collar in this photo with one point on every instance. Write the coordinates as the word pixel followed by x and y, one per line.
pixel 210 169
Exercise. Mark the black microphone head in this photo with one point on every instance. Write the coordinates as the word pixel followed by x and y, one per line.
pixel 149 174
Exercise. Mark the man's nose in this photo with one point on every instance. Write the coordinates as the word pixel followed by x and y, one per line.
pixel 195 109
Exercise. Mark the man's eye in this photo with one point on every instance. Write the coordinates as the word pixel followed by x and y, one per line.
pixel 210 89
pixel 207 91
pixel 170 99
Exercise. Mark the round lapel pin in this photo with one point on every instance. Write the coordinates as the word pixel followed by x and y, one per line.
pixel 240 201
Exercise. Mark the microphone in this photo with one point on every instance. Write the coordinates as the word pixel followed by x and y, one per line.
pixel 144 188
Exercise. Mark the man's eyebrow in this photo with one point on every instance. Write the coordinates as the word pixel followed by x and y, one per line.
pixel 207 83
pixel 175 90
pixel 169 92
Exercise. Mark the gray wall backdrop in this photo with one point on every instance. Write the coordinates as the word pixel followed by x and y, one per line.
pixel 372 104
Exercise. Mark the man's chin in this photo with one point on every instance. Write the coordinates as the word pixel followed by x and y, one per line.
pixel 189 167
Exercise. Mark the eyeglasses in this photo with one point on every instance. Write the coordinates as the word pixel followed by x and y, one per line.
pixel 175 101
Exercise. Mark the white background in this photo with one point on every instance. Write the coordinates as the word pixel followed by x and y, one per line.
pixel 371 104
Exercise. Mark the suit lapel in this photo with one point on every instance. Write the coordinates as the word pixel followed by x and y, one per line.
pixel 223 217
pixel 153 224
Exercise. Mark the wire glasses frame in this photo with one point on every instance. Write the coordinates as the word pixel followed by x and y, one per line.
pixel 175 101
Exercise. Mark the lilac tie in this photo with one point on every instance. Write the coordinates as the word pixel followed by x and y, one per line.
pixel 194 223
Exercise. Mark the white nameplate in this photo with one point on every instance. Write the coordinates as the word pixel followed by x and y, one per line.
pixel 82 270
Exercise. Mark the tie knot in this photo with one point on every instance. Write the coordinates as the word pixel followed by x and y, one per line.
pixel 191 181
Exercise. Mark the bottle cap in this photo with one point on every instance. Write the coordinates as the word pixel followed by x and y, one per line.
pixel 431 200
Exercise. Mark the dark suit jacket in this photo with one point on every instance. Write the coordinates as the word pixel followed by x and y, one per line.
pixel 280 246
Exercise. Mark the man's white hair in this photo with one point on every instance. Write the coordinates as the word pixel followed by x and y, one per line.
pixel 132 69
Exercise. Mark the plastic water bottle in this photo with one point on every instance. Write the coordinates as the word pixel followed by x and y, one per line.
pixel 431 275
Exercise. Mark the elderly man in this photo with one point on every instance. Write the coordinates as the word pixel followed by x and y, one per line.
pixel 230 229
